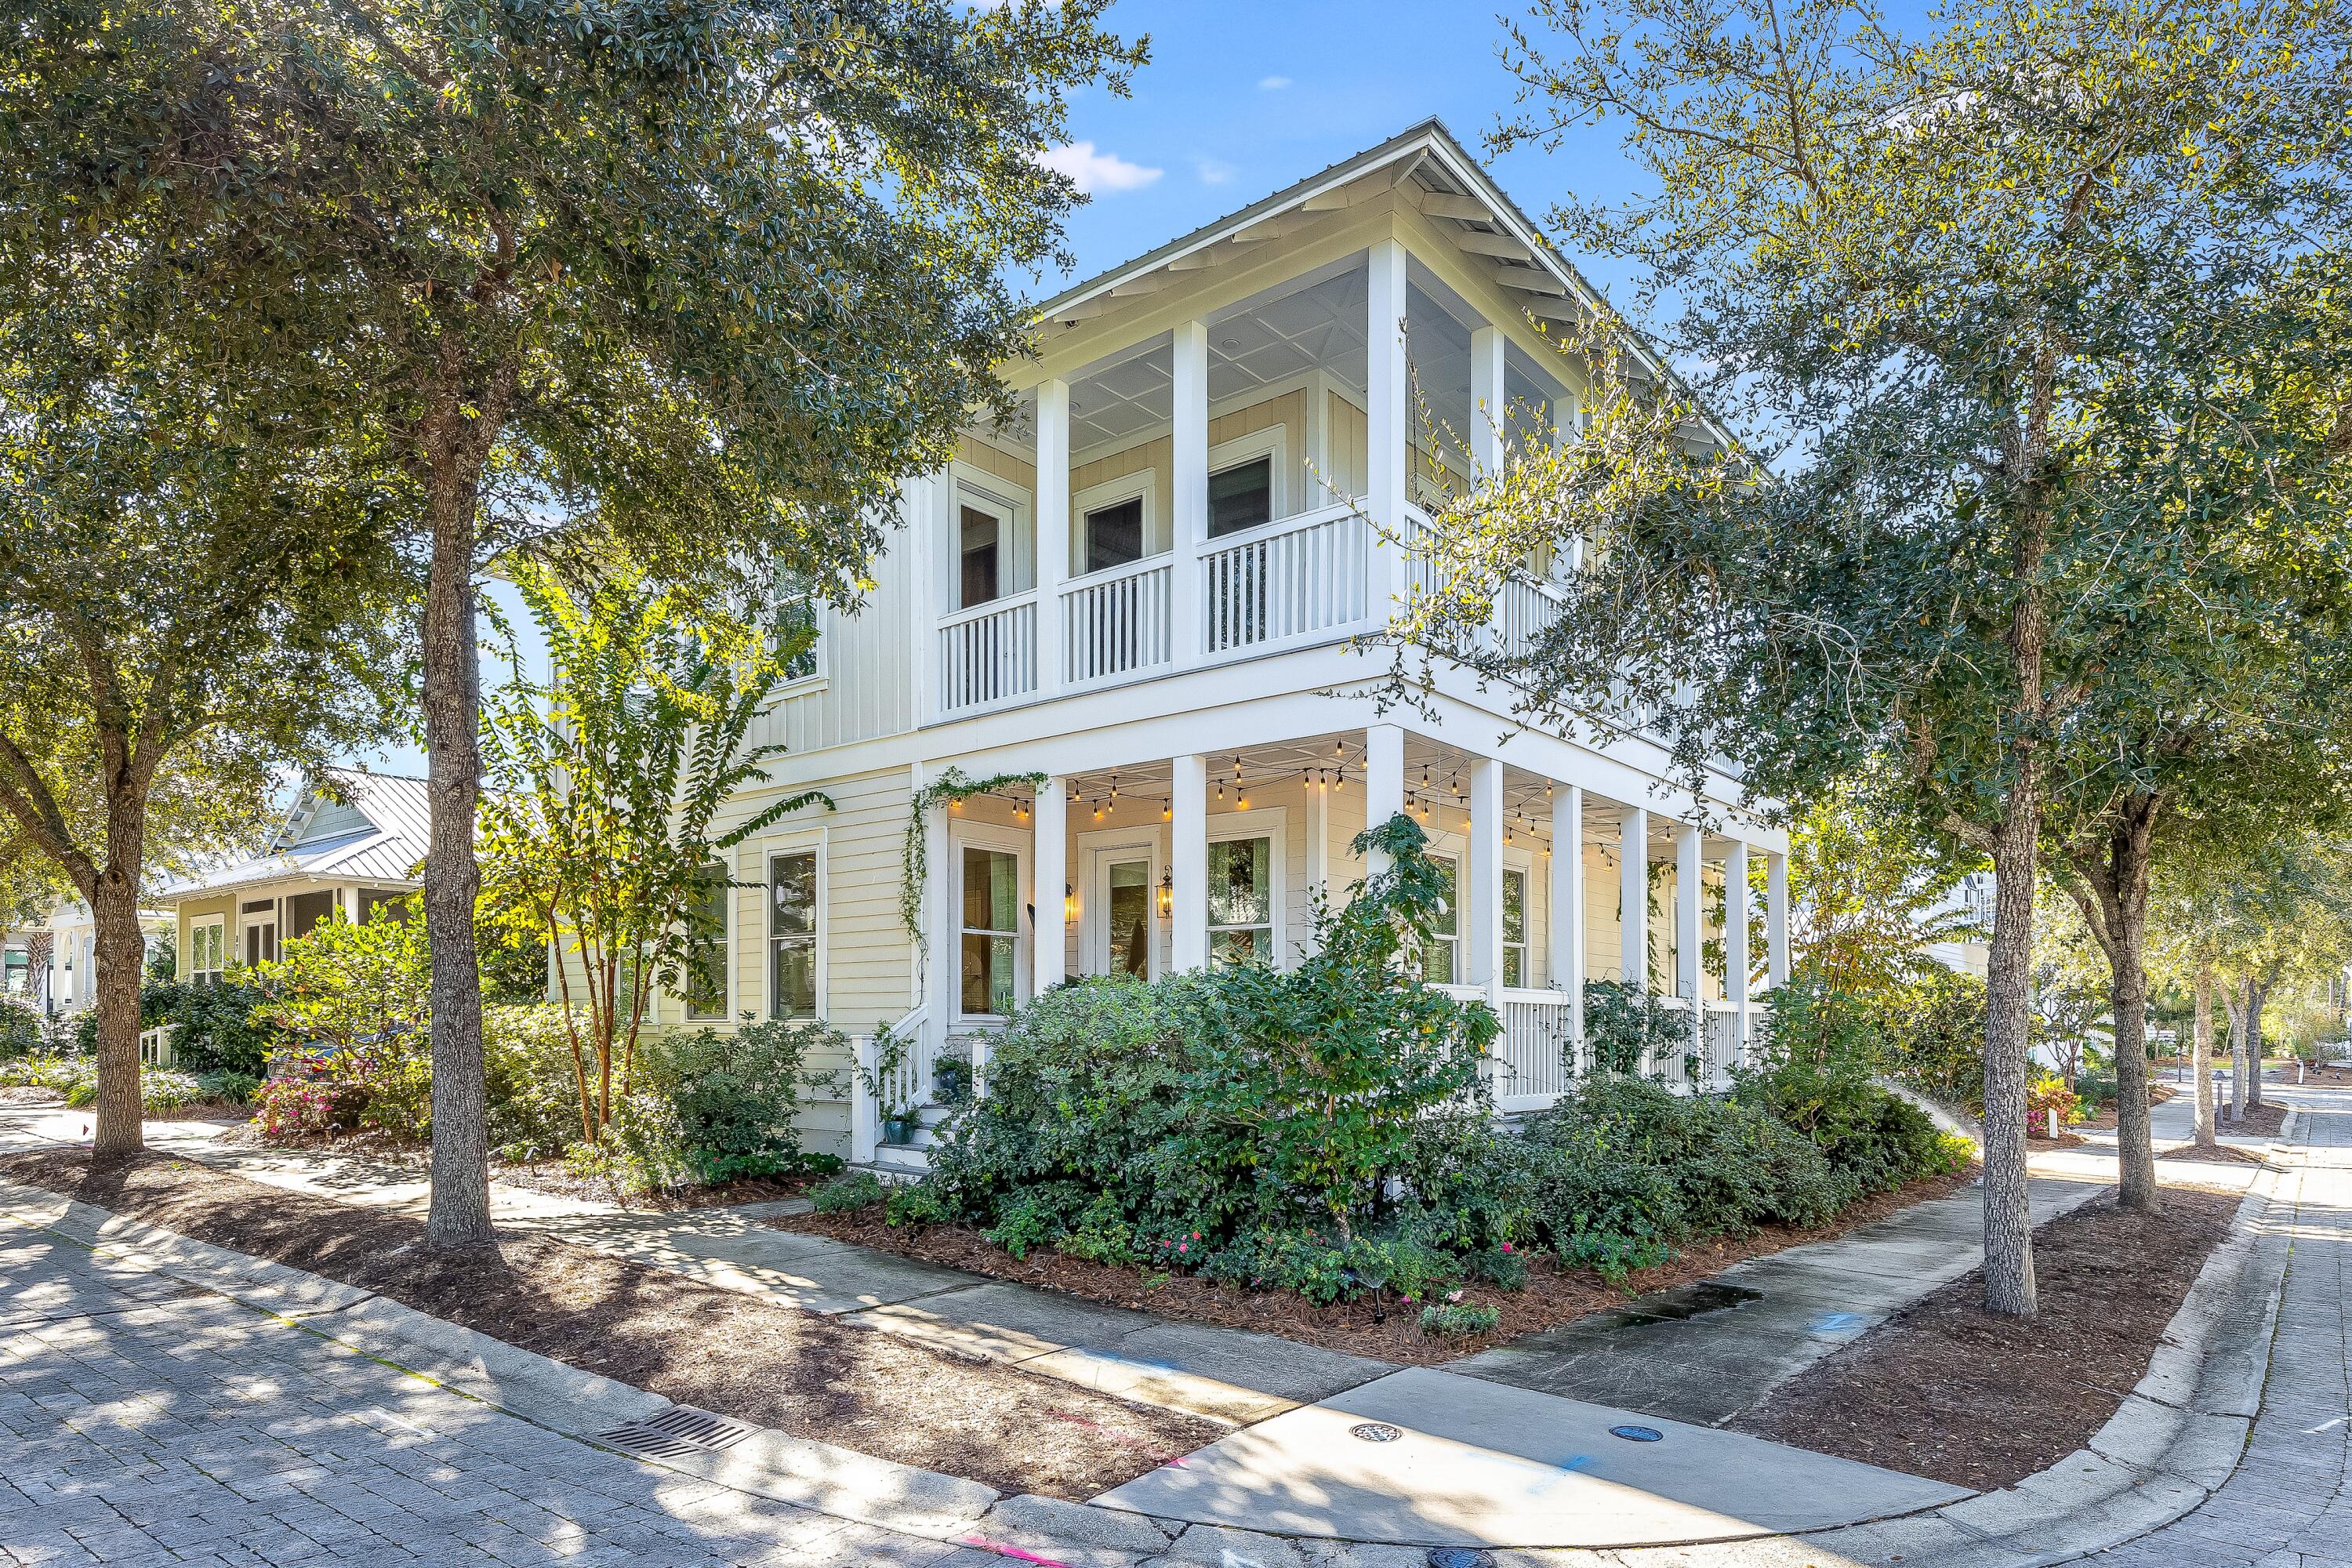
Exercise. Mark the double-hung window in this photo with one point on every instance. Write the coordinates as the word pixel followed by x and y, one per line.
pixel 980 543
pixel 1241 900
pixel 1441 956
pixel 991 944
pixel 1514 928
pixel 207 950
pixel 703 983
pixel 792 934
pixel 1114 535
pixel 1240 496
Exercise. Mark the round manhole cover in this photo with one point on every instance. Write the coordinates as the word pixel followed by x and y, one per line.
pixel 1375 1432
pixel 1460 1557
pixel 1637 1433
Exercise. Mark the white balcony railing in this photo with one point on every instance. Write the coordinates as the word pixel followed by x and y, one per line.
pixel 1523 612
pixel 988 654
pixel 1286 580
pixel 1116 621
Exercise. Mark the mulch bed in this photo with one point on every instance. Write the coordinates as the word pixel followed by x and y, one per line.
pixel 2265 1120
pixel 2221 1154
pixel 695 1344
pixel 1946 1390
pixel 1389 1331
pixel 552 1176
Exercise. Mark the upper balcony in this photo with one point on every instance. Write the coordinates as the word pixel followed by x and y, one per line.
pixel 1248 458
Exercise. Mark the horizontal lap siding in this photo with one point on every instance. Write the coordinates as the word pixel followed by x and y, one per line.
pixel 868 965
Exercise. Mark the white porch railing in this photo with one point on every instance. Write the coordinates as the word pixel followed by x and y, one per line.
pixel 1116 621
pixel 155 1046
pixel 1288 579
pixel 988 654
pixel 1531 1053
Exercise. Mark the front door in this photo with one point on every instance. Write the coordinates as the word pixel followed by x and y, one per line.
pixel 1126 927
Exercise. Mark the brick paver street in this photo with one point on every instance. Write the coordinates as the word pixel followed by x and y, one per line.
pixel 2288 1505
pixel 141 1422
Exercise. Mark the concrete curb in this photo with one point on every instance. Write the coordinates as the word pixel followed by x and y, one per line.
pixel 2174 1440
pixel 2171 1443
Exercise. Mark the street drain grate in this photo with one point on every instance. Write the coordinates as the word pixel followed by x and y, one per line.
pixel 1375 1432
pixel 676 1432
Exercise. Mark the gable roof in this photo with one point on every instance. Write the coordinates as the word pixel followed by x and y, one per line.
pixel 376 833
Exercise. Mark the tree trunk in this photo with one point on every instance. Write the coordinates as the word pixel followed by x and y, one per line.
pixel 2008 1217
pixel 2259 994
pixel 460 1212
pixel 2201 1053
pixel 121 955
pixel 2235 1002
pixel 2110 884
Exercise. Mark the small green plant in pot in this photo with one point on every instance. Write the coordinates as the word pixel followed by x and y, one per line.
pixel 884 1081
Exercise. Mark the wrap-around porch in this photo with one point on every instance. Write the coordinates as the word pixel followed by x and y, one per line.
pixel 1149 865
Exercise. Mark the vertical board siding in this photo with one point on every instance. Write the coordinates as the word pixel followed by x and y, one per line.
pixel 1345 432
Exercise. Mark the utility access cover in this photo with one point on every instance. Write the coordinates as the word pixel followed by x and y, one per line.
pixel 677 1431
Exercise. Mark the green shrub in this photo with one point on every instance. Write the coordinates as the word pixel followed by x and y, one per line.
pixel 1241 1104
pixel 1874 1141
pixel 736 1097
pixel 220 1025
pixel 1626 1025
pixel 916 1204
pixel 22 1033
pixel 1458 1320
pixel 534 1098
pixel 850 1190
pixel 226 1086
pixel 55 1072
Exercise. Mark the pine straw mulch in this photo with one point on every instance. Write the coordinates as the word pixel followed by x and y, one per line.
pixel 2265 1120
pixel 1388 1329
pixel 2216 1153
pixel 695 1344
pixel 1948 1390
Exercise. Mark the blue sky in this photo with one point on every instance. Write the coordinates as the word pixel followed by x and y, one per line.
pixel 1240 100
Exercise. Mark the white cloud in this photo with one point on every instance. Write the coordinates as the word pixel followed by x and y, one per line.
pixel 1214 171
pixel 1094 172
pixel 1272 83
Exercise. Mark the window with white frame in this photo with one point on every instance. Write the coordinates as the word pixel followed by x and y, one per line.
pixel 1441 954
pixel 793 931
pixel 1245 477
pixel 990 944
pixel 708 951
pixel 207 950
pixel 1115 523
pixel 1514 928
pixel 983 549
pixel 1241 900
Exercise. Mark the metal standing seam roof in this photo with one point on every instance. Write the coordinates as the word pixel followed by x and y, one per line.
pixel 389 852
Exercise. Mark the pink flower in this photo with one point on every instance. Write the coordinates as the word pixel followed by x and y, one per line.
pixel 1184 1246
pixel 1507 1247
pixel 1454 1295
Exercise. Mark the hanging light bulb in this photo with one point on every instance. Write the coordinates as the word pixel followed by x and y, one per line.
pixel 1098 811
pixel 1166 810
pixel 1114 789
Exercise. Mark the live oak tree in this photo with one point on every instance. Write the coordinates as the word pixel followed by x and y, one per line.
pixel 180 619
pixel 600 834
pixel 690 283
pixel 1906 269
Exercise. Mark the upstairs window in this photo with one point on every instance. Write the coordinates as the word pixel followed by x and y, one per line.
pixel 1440 956
pixel 1240 496
pixel 980 557
pixel 1514 928
pixel 1115 534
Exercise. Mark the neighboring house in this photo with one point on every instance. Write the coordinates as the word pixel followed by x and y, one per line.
pixel 1146 589
pixel 352 841
pixel 53 967
pixel 1972 898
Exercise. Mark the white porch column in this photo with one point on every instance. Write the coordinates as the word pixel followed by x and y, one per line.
pixel 1686 910
pixel 1486 403
pixel 1319 841
pixel 1775 920
pixel 1383 783
pixel 1388 422
pixel 1049 873
pixel 1567 930
pixel 1483 898
pixel 1736 909
pixel 1189 488
pixel 1634 897
pixel 940 956
pixel 1053 528
pixel 1187 865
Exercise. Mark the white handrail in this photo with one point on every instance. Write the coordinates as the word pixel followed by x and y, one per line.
pixel 1119 621
pixel 988 655
pixel 1286 580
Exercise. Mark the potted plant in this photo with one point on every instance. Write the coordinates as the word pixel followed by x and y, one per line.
pixel 951 1081
pixel 883 1082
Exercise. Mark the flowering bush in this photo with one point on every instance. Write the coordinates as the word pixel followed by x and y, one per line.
pixel 288 1110
pixel 2045 1094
